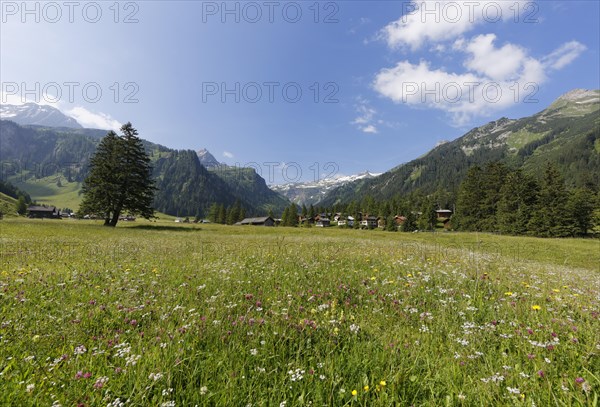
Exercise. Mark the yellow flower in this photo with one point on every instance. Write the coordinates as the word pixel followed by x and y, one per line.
pixel 508 293
pixel 382 383
pixel 556 290
pixel 536 307
pixel 366 388
pixel 354 392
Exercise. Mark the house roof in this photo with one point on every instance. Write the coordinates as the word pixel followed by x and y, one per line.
pixel 444 211
pixel 37 208
pixel 253 221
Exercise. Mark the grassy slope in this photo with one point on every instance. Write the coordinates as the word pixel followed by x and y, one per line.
pixel 7 205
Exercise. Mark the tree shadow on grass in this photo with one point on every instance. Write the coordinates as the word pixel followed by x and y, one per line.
pixel 167 228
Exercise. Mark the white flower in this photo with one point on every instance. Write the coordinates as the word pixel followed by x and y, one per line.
pixel 253 352
pixel 80 350
pixel 203 390
pixel 155 376
pixel 513 390
pixel 30 387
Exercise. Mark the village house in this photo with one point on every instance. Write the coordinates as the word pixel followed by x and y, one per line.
pixel 350 221
pixel 41 212
pixel 399 219
pixel 321 220
pixel 443 214
pixel 261 221
pixel 369 221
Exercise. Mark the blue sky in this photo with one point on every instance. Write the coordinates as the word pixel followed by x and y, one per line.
pixel 381 82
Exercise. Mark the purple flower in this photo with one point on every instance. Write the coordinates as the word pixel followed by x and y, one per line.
pixel 579 380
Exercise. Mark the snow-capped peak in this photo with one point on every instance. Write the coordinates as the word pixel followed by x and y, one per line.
pixel 35 114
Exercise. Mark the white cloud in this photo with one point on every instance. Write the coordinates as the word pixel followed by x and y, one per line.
pixel 494 79
pixel 369 129
pixel 496 63
pixel 227 154
pixel 366 116
pixel 435 21
pixel 93 120
pixel 564 55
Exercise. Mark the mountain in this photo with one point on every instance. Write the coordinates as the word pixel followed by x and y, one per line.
pixel 207 159
pixel 308 193
pixel 51 163
pixel 566 133
pixel 41 115
pixel 246 183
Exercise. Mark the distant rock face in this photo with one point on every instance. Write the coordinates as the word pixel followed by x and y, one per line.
pixel 40 115
pixel 581 95
pixel 207 159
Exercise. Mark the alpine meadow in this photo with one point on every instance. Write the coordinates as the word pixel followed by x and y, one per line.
pixel 300 204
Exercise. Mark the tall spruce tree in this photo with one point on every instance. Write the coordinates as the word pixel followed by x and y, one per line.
pixel 469 201
pixel 120 178
pixel 517 201
pixel 549 218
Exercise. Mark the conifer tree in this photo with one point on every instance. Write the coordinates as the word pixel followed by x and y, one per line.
pixel 120 178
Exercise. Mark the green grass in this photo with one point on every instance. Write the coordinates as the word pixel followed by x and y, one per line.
pixel 8 205
pixel 521 138
pixel 158 313
pixel 46 191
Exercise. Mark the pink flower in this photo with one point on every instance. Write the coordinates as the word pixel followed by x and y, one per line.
pixel 579 380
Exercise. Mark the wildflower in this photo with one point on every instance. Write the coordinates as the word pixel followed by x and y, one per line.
pixel 354 393
pixel 513 390
pixel 155 376
pixel 536 307
pixel 30 387
pixel 579 380
pixel 382 383
pixel 461 396
pixel 253 352
pixel 100 382
pixel 541 373
pixel 366 388
pixel 508 293
pixel 80 350
pixel 203 390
